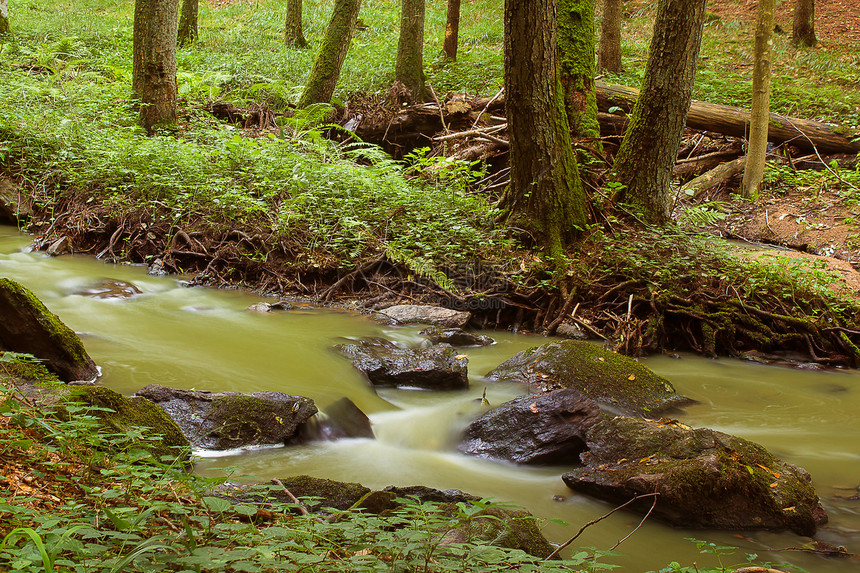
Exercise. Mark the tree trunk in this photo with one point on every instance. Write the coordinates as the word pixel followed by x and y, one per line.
pixel 576 65
pixel 323 78
pixel 452 31
pixel 4 17
pixel 154 61
pixel 409 69
pixel 757 149
pixel 735 121
pixel 643 165
pixel 187 34
pixel 803 27
pixel 609 52
pixel 545 195
pixel 293 34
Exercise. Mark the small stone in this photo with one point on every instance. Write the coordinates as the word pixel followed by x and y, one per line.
pixel 413 313
pixel 566 330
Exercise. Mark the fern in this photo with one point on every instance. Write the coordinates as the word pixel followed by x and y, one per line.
pixel 419 266
pixel 703 215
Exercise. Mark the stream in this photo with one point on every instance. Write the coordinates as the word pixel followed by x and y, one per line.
pixel 205 339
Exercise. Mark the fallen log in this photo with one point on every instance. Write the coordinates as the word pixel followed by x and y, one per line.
pixel 714 177
pixel 734 121
pixel 686 169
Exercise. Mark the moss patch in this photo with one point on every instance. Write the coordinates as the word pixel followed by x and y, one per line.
pixel 615 381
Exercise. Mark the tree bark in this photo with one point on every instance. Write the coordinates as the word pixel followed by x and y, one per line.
pixel 609 51
pixel 154 61
pixel 803 26
pixel 187 34
pixel 409 68
pixel 293 34
pixel 576 65
pixel 643 165
pixel 735 121
pixel 4 17
pixel 452 31
pixel 326 70
pixel 760 114
pixel 545 195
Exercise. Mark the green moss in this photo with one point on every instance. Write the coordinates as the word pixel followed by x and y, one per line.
pixel 128 413
pixel 610 378
pixel 29 303
pixel 28 371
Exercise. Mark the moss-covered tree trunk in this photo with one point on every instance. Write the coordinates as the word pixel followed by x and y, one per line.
pixel 293 34
pixel 545 195
pixel 576 64
pixel 647 155
pixel 760 114
pixel 803 25
pixel 4 17
pixel 188 22
pixel 154 61
pixel 323 78
pixel 452 31
pixel 409 69
pixel 609 51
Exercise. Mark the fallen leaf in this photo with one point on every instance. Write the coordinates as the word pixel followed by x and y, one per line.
pixel 533 408
pixel 601 359
pixel 632 377
pixel 792 508
pixel 770 471
pixel 774 484
pixel 460 357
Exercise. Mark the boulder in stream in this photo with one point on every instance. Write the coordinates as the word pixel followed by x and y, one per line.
pixel 704 478
pixel 618 383
pixel 426 314
pixel 386 364
pixel 537 429
pixel 455 337
pixel 28 327
pixel 226 420
pixel 342 419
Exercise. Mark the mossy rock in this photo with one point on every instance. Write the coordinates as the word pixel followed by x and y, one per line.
pixel 117 413
pixel 320 493
pixel 28 327
pixel 507 527
pixel 704 478
pixel 618 383
pixel 226 420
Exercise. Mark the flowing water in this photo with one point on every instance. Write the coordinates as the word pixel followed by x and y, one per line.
pixel 205 339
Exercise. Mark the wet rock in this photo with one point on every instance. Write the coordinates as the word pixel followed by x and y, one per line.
pixel 385 364
pixel 346 420
pixel 538 429
pixel 618 383
pixel 116 413
pixel 226 420
pixel 570 331
pixel 704 478
pixel 110 288
pixel 16 207
pixel 414 313
pixel 455 337
pixel 156 269
pixel 270 306
pixel 423 493
pixel 30 328
pixel 59 247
